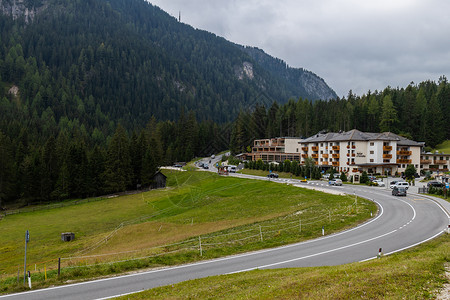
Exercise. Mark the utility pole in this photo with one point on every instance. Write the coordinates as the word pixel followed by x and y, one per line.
pixel 27 239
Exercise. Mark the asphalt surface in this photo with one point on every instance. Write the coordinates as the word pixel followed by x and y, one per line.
pixel 402 222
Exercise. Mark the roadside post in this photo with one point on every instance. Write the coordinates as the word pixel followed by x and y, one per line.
pixel 380 253
pixel 29 279
pixel 27 239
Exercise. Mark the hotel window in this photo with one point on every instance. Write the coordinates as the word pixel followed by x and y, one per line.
pixel 371 160
pixel 371 152
pixel 372 143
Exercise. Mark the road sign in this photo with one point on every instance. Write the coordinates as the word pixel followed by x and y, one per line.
pixel 27 236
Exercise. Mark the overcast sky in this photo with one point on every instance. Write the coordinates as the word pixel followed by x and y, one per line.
pixel 352 44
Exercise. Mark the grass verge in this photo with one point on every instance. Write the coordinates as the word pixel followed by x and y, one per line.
pixel 417 273
pixel 444 147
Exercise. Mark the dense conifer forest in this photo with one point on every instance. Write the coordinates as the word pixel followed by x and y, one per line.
pixel 420 112
pixel 95 95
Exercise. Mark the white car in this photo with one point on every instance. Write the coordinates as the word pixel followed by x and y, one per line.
pixel 335 182
pixel 402 184
pixel 379 182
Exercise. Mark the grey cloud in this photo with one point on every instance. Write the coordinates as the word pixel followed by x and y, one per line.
pixel 352 44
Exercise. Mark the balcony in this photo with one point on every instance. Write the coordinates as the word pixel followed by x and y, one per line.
pixel 404 161
pixel 335 148
pixel 335 164
pixel 305 149
pixel 387 148
pixel 426 161
pixel 403 152
pixel 315 148
pixel 315 155
pixel 387 156
pixel 304 155
pixel 355 170
pixel 324 163
pixel 440 162
pixel 335 155
pixel 325 155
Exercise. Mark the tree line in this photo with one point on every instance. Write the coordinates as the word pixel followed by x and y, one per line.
pixel 72 164
pixel 419 112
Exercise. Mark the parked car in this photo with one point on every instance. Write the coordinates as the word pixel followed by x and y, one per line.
pixel 403 184
pixel 371 178
pixel 399 191
pixel 213 156
pixel 379 182
pixel 205 166
pixel 435 184
pixel 335 182
pixel 326 176
pixel 393 183
pixel 273 175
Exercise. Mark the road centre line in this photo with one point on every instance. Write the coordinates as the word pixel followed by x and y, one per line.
pixel 316 254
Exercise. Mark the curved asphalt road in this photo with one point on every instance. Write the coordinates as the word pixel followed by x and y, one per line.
pixel 401 223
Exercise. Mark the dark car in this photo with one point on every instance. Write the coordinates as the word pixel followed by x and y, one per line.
pixel 398 191
pixel 273 175
pixel 435 184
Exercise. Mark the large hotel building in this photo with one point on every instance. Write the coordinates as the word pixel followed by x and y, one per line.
pixel 352 152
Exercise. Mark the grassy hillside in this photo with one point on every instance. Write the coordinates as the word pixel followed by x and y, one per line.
pixel 134 226
pixel 444 147
pixel 417 273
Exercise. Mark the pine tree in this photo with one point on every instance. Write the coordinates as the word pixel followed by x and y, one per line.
pixel 118 170
pixel 6 168
pixel 388 115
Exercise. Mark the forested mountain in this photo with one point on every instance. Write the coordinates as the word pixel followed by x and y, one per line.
pixel 129 60
pixel 420 112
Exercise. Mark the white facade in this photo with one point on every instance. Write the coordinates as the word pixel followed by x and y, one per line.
pixel 351 152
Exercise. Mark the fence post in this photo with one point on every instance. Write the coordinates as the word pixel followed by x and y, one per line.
pixel 300 221
pixel 59 266
pixel 200 243
pixel 260 233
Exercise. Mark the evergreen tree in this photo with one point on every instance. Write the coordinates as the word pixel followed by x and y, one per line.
pixel 118 170
pixel 6 168
pixel 388 115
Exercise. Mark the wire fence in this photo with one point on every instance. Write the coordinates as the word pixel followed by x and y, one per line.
pixel 309 220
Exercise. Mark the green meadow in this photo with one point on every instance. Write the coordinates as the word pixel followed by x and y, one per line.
pixel 162 227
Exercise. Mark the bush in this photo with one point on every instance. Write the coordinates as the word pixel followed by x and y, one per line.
pixel 364 178
pixel 436 191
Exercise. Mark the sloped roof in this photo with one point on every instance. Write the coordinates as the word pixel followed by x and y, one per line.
pixel 356 135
